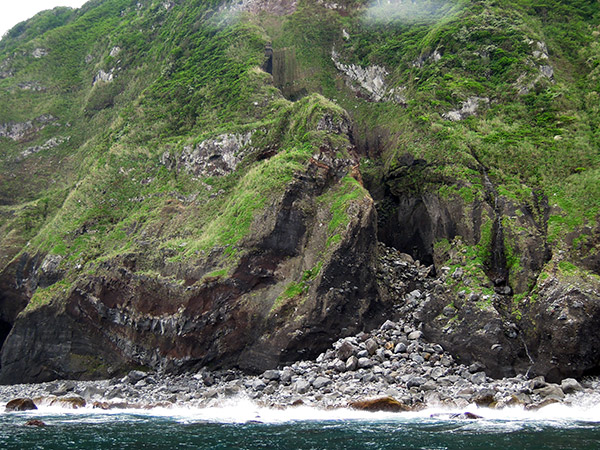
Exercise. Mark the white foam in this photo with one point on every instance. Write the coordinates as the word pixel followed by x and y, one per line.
pixel 244 410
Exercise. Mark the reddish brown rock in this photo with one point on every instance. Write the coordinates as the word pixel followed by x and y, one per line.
pixel 20 404
pixel 387 404
pixel 35 423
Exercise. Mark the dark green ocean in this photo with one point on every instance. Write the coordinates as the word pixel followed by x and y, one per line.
pixel 248 427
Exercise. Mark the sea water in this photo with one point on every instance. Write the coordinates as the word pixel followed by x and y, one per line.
pixel 240 424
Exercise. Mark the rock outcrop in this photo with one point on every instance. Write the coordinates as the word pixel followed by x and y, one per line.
pixel 468 108
pixel 371 80
pixel 21 131
pixel 213 157
pixel 560 320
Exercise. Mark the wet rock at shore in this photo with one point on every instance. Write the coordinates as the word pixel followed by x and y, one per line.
pixel 569 385
pixel 387 404
pixel 67 402
pixel 20 404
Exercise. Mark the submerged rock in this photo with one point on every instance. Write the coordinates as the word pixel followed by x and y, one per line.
pixel 35 423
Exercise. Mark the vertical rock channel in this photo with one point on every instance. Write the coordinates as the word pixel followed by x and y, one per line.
pixel 496 267
pixel 5 328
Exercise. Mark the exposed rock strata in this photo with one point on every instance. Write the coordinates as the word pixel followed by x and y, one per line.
pixel 103 77
pixel 279 7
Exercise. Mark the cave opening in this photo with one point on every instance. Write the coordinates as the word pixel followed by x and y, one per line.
pixel 407 228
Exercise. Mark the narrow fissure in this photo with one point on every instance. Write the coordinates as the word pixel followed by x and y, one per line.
pixel 497 269
pixel 5 328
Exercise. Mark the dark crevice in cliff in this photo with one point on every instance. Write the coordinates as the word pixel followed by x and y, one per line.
pixel 594 372
pixel 496 266
pixel 5 328
pixel 283 65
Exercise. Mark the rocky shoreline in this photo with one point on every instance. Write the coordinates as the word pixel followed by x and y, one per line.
pixel 392 368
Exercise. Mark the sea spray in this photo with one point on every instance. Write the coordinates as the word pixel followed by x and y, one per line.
pixel 244 410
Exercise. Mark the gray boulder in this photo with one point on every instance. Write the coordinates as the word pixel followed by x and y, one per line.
pixel 321 382
pixel 570 385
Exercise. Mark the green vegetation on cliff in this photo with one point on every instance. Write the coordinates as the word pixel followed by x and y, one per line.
pixel 175 133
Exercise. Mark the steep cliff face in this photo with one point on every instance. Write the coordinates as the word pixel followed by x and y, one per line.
pixel 188 184
pixel 254 317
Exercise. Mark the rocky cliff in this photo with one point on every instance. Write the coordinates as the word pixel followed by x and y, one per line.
pixel 187 184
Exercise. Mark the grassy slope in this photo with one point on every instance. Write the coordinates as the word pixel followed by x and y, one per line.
pixel 181 76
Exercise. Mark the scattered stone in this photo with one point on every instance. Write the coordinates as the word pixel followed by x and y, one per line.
pixel 466 415
pixel 484 398
pixel 415 382
pixel 519 399
pixel 346 350
pixel 388 325
pixel 414 335
pixel 302 386
pixel 273 375
pixel 321 382
pixel 352 364
pixel 64 388
pixel 70 402
pixel 258 384
pixel 207 379
pixel 365 363
pixel 537 382
pixel 545 402
pixel 339 365
pixel 550 391
pixel 478 378
pixel 400 347
pixel 91 391
pixel 476 367
pixel 135 375
pixel 371 346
